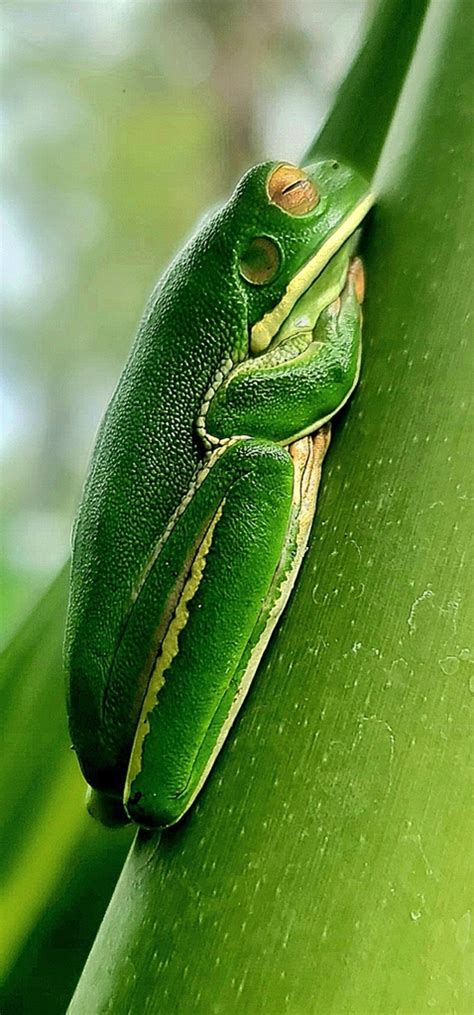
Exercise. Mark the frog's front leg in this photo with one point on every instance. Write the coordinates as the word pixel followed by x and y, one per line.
pixel 298 385
pixel 252 510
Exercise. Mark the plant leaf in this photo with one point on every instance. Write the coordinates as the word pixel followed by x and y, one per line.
pixel 324 866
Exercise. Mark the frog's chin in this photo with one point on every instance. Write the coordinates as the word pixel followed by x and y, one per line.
pixel 264 331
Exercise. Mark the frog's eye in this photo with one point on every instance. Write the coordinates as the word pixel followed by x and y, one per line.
pixel 292 190
pixel 260 261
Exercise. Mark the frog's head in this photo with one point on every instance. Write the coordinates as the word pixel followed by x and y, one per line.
pixel 284 225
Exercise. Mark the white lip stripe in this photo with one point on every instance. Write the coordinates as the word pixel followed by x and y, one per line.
pixel 263 331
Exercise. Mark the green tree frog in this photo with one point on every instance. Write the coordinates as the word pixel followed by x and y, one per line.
pixel 202 485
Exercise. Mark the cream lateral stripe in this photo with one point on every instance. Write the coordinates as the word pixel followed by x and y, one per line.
pixel 169 650
pixel 197 481
pixel 263 331
pixel 219 377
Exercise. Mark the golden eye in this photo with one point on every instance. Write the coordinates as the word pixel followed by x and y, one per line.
pixel 292 190
pixel 261 261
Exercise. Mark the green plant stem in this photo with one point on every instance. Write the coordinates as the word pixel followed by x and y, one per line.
pixel 324 867
pixel 357 125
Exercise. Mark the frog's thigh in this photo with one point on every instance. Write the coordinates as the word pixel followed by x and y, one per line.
pixel 250 489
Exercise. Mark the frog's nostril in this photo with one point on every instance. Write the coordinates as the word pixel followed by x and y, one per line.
pixel 334 165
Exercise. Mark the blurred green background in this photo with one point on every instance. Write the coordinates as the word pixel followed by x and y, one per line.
pixel 124 121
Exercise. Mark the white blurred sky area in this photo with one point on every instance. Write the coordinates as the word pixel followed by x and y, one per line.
pixel 121 122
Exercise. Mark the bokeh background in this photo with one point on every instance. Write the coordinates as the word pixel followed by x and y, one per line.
pixel 123 122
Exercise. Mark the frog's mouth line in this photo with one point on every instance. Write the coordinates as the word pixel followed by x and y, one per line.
pixel 264 330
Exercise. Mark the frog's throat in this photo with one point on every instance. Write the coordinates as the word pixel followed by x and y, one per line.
pixel 264 330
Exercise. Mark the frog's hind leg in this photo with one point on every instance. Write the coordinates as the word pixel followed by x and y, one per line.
pixel 254 510
pixel 220 555
pixel 308 455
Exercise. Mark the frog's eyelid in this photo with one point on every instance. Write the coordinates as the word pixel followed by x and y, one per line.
pixel 293 186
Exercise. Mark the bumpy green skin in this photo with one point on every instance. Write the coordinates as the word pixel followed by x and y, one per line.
pixel 143 520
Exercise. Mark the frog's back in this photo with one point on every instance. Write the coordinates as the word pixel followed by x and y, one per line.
pixel 146 454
